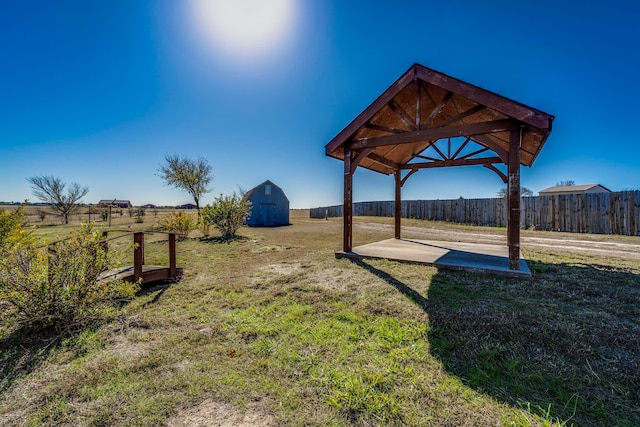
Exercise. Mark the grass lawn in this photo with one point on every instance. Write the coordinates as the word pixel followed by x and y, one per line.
pixel 270 329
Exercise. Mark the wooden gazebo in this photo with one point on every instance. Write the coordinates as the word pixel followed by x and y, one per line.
pixel 427 119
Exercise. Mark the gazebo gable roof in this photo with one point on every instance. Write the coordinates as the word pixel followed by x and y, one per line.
pixel 425 106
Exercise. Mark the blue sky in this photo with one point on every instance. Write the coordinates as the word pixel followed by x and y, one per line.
pixel 99 92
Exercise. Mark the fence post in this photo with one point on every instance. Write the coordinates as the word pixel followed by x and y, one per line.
pixel 173 271
pixel 138 255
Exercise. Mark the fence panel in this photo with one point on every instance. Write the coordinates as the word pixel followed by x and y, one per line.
pixel 598 213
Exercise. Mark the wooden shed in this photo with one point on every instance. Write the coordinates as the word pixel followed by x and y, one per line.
pixel 269 205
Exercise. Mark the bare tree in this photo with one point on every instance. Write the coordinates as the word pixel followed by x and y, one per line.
pixel 192 176
pixel 524 192
pixel 567 183
pixel 50 190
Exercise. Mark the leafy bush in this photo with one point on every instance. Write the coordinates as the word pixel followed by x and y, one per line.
pixel 180 223
pixel 59 288
pixel 13 230
pixel 227 213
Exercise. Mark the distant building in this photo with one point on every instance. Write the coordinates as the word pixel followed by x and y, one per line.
pixel 149 206
pixel 115 203
pixel 269 205
pixel 187 206
pixel 574 189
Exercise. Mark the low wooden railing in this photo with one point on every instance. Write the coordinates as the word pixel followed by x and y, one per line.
pixel 138 251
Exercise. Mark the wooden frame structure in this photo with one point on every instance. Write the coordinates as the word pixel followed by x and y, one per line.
pixel 427 119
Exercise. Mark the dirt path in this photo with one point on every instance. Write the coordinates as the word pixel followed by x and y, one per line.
pixel 563 242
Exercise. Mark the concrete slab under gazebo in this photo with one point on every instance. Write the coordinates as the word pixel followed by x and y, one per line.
pixel 427 119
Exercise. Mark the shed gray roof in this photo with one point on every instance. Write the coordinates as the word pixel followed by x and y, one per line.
pixel 572 188
pixel 250 192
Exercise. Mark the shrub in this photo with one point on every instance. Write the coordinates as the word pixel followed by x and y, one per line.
pixel 138 214
pixel 180 223
pixel 13 230
pixel 227 213
pixel 59 288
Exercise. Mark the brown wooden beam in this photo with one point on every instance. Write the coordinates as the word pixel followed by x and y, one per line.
pixel 436 110
pixel 138 255
pixel 435 147
pixel 383 160
pixel 418 103
pixel 461 116
pixel 404 116
pixel 451 162
pixel 491 166
pixel 464 144
pixel 488 142
pixel 411 172
pixel 482 150
pixel 384 128
pixel 513 199
pixel 397 209
pixel 361 155
pixel 435 134
pixel 173 269
pixel 365 115
pixel 433 159
pixel 348 203
pixel 481 96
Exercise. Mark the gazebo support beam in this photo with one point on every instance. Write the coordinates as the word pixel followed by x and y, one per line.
pixel 348 203
pixel 397 211
pixel 513 199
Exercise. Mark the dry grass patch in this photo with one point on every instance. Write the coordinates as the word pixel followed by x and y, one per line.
pixel 210 413
pixel 296 337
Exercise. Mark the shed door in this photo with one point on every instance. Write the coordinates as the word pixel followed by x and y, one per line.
pixel 268 213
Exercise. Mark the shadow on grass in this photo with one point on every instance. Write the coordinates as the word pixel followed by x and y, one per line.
pixel 21 353
pixel 159 289
pixel 220 239
pixel 564 345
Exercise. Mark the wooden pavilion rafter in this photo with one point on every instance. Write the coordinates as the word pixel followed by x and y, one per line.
pixel 405 129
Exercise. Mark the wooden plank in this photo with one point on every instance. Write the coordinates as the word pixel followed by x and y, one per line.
pixel 397 214
pixel 347 205
pixel 384 128
pixel 437 109
pixel 138 255
pixel 596 213
pixel 368 112
pixel 494 101
pixel 513 198
pixel 173 269
pixel 451 162
pixel 461 116
pixel 436 133
pixel 403 115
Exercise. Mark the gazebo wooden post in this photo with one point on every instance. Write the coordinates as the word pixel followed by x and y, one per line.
pixel 398 204
pixel 513 199
pixel 348 202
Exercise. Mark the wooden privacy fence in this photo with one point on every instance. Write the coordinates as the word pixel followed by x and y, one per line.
pixel 598 213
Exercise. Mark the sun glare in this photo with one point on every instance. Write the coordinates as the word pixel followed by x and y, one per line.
pixel 244 28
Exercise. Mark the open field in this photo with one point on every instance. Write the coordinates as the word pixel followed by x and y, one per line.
pixel 270 329
pixel 44 216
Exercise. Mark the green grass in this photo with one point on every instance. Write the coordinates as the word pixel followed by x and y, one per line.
pixel 273 323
